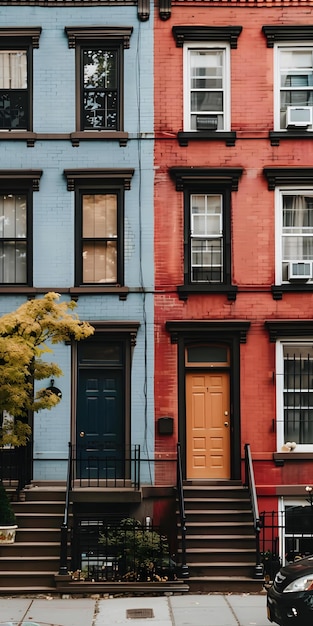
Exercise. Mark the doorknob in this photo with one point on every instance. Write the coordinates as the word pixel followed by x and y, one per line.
pixel 226 424
pixel 82 434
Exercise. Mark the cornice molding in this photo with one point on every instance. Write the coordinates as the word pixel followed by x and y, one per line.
pixel 287 33
pixel 289 328
pixel 206 33
pixel 25 32
pixel 92 176
pixel 212 175
pixel 207 327
pixel 30 178
pixel 94 33
pixel 276 176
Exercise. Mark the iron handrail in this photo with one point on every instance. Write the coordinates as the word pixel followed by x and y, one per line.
pixel 182 512
pixel 63 569
pixel 250 483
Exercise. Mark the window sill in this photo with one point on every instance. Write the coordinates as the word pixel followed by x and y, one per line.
pixel 281 457
pixel 279 290
pixel 206 135
pixel 22 135
pixel 99 135
pixel 187 290
pixel 277 136
pixel 96 290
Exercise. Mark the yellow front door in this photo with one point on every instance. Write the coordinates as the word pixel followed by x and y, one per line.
pixel 207 425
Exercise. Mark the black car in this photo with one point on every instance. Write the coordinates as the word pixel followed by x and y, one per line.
pixel 290 598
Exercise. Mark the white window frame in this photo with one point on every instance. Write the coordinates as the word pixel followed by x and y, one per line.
pixel 280 392
pixel 279 193
pixel 282 504
pixel 219 47
pixel 278 47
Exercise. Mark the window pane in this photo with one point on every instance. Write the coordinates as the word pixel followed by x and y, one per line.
pixel 100 84
pixel 100 262
pixel 13 262
pixel 296 80
pixel 100 215
pixel 13 69
pixel 206 85
pixel 204 101
pixel 207 354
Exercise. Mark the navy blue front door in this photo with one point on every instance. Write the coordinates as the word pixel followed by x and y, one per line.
pixel 100 424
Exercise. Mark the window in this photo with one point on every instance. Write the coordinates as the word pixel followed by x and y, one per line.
pixel 294 228
pixel 100 237
pixel 206 88
pixel 298 393
pixel 207 238
pixel 296 528
pixel 296 214
pixel 99 225
pixel 295 67
pixel 16 189
pixel 16 52
pixel 13 238
pixel 99 77
pixel 293 80
pixel 206 63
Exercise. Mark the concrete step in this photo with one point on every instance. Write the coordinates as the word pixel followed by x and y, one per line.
pixel 27 550
pixel 221 569
pixel 29 564
pixel 224 584
pixel 19 580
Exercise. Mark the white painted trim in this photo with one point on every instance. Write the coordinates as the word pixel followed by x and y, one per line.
pixel 218 46
pixel 292 45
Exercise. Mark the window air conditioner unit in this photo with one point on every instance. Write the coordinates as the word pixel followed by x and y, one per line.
pixel 299 270
pixel 299 117
pixel 206 122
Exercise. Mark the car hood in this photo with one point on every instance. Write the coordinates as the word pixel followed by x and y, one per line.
pixel 291 572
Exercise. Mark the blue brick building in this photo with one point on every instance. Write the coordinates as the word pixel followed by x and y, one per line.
pixel 76 189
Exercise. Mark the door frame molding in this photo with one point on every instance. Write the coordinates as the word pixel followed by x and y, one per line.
pixel 120 331
pixel 231 333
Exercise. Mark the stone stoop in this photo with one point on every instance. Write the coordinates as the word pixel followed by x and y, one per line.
pixel 220 538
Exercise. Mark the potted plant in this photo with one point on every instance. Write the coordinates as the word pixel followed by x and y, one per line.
pixel 8 524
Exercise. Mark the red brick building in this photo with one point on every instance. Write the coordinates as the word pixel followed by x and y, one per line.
pixel 234 245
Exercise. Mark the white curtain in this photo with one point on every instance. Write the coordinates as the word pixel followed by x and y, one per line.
pixel 13 69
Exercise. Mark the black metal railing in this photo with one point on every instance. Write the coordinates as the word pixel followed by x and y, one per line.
pixel 250 483
pixel 285 537
pixel 182 513
pixel 63 569
pixel 125 551
pixel 96 466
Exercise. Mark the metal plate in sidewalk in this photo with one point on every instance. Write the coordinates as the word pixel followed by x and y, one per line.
pixel 139 613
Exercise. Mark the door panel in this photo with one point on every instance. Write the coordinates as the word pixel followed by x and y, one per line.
pixel 207 425
pixel 100 424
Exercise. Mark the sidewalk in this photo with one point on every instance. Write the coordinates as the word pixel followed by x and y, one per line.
pixel 172 610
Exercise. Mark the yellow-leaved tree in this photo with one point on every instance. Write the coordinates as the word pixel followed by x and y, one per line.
pixel 25 335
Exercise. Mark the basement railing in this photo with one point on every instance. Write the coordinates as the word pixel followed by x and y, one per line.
pixel 182 513
pixel 250 483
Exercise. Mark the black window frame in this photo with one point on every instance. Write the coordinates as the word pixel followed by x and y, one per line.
pixel 22 182
pixel 99 37
pixel 222 181
pixel 99 181
pixel 24 39
pixel 81 240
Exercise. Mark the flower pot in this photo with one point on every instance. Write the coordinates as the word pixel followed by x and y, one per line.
pixel 7 534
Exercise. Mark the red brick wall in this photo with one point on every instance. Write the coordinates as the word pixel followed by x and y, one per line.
pixel 253 239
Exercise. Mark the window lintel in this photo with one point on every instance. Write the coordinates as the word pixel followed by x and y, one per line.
pixel 206 33
pixel 94 33
pixel 19 177
pixel 288 328
pixel 299 33
pixel 276 176
pixel 92 176
pixel 31 33
pixel 120 327
pixel 198 175
pixel 203 328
